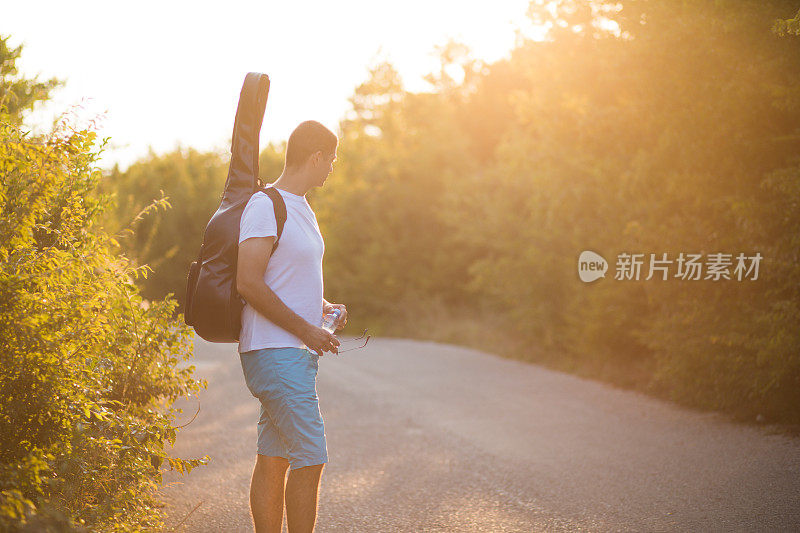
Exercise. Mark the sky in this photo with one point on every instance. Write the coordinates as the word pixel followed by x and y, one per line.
pixel 168 73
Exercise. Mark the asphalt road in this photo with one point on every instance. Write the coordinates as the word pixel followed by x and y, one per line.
pixel 431 437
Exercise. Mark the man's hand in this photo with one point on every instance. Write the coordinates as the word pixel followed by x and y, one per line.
pixel 328 307
pixel 319 340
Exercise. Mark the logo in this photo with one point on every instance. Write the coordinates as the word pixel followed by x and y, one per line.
pixel 591 266
pixel 689 266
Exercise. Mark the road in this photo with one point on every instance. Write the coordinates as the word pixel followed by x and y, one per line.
pixel 431 437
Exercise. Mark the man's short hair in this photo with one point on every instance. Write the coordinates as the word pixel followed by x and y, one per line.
pixel 307 138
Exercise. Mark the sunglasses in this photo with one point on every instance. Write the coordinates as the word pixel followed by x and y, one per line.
pixel 363 336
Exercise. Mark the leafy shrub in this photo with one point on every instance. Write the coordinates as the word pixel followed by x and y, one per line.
pixel 88 368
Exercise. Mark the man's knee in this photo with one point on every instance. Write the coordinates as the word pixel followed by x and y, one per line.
pixel 307 472
pixel 312 468
pixel 269 464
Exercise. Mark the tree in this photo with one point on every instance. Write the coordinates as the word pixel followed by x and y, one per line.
pixel 18 94
pixel 661 126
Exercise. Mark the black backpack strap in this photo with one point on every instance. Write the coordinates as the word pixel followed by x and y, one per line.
pixel 280 211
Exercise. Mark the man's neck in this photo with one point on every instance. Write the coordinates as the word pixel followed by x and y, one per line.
pixel 292 182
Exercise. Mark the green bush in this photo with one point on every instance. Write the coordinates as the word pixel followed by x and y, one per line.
pixel 88 368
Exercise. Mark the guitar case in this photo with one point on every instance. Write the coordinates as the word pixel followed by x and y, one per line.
pixel 213 305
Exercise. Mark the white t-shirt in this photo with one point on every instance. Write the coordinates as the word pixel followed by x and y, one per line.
pixel 294 271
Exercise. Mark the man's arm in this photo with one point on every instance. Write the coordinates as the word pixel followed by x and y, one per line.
pixel 254 254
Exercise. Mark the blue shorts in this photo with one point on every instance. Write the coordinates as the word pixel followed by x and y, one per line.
pixel 290 424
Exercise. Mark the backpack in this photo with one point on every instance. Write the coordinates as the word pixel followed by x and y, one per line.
pixel 213 305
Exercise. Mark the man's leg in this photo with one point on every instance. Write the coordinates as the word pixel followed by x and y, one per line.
pixel 301 498
pixel 267 493
pixel 291 425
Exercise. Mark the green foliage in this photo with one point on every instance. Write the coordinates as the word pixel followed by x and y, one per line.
pixel 18 94
pixel 675 133
pixel 189 186
pixel 270 162
pixel 383 211
pixel 88 368
pixel 167 240
pixel 784 27
pixel 650 127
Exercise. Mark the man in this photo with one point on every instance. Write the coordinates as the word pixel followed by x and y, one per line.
pixel 281 338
